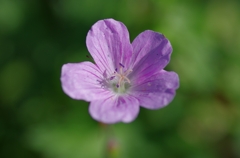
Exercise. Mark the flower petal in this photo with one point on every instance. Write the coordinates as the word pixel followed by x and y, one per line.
pixel 156 91
pixel 108 43
pixel 82 81
pixel 151 53
pixel 115 109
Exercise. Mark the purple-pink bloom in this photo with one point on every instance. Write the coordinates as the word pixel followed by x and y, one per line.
pixel 125 76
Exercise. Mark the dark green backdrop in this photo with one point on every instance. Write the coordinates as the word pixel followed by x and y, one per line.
pixel 37 120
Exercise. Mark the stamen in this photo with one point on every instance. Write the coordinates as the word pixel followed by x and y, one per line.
pixel 121 65
pixel 120 77
pixel 111 78
pixel 120 80
pixel 127 79
pixel 127 72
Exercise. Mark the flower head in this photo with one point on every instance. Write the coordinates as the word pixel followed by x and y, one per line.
pixel 125 76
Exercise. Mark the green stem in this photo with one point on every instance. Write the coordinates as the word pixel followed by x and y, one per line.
pixel 112 146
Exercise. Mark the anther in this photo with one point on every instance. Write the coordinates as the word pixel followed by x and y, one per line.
pixel 121 65
pixel 111 78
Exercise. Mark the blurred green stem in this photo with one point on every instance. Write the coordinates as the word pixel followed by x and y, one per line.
pixel 112 146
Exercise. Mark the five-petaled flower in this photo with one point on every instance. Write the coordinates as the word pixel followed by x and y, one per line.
pixel 125 76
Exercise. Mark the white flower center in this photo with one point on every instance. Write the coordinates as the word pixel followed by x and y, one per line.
pixel 119 82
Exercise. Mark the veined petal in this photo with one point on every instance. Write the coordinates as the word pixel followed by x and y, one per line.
pixel 108 43
pixel 115 109
pixel 82 81
pixel 151 53
pixel 156 91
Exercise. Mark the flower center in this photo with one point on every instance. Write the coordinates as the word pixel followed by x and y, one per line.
pixel 119 80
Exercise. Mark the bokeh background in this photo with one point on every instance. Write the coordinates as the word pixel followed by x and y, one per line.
pixel 37 120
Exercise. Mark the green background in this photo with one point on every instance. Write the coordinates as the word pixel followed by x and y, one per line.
pixel 37 120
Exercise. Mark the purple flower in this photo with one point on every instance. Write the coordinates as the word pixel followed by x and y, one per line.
pixel 125 76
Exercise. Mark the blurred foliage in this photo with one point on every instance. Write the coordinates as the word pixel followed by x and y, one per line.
pixel 38 120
